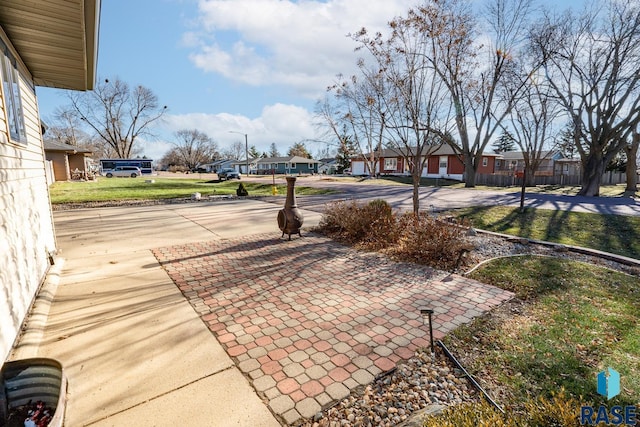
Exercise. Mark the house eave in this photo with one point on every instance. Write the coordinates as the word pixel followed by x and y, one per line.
pixel 56 40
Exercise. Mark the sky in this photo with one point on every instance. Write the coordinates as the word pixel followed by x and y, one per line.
pixel 232 67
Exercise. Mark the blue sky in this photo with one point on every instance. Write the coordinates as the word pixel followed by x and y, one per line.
pixel 249 66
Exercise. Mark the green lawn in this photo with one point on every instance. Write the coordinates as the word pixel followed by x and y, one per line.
pixel 576 320
pixel 610 233
pixel 108 189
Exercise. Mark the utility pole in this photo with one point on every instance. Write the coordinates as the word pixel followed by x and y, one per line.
pixel 246 150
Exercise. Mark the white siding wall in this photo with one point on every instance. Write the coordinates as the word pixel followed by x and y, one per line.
pixel 26 226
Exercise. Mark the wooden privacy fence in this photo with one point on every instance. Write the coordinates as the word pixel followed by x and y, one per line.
pixel 495 180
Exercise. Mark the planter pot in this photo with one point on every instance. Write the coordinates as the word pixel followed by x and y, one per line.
pixel 32 388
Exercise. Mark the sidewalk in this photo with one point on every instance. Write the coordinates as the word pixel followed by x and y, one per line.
pixel 199 314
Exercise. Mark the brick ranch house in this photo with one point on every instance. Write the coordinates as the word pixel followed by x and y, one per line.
pixel 441 163
pixel 47 43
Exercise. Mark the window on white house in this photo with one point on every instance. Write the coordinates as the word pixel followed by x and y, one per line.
pixel 390 164
pixel 11 95
pixel 485 161
pixel 497 163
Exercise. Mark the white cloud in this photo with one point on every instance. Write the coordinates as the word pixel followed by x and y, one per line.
pixel 154 150
pixel 301 44
pixel 281 124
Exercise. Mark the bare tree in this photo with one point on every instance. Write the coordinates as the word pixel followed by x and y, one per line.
pixel 117 114
pixel 482 88
pixel 67 128
pixel 592 63
pixel 327 120
pixel 532 118
pixel 357 110
pixel 172 160
pixel 409 99
pixel 234 151
pixel 194 147
pixel 325 152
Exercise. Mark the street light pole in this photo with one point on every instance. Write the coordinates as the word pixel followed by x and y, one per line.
pixel 246 149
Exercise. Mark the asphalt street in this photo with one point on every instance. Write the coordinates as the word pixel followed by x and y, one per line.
pixel 442 198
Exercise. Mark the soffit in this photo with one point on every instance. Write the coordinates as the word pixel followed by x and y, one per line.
pixel 57 40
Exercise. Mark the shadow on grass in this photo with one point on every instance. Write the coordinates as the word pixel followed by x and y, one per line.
pixel 616 234
pixel 513 219
pixel 527 276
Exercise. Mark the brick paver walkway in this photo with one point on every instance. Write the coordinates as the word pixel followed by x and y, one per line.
pixel 308 320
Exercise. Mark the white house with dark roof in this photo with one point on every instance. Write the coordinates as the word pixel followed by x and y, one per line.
pixel 50 43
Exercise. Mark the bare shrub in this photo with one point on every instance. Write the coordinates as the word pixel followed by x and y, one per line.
pixel 431 241
pixel 370 226
pixel 334 218
pixel 420 239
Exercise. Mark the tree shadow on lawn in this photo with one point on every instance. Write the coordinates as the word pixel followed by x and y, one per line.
pixel 609 233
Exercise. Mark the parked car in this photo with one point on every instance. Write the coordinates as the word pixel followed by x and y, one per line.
pixel 126 171
pixel 228 173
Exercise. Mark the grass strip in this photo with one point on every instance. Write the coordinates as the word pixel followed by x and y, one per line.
pixel 105 189
pixel 610 233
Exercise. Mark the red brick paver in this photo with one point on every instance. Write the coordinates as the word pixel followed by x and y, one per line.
pixel 313 313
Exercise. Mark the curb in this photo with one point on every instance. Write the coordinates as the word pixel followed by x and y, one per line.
pixel 33 329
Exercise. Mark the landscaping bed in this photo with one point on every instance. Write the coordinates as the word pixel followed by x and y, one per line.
pixel 538 355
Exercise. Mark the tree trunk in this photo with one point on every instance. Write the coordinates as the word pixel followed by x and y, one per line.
pixel 416 192
pixel 523 188
pixel 469 171
pixel 592 169
pixel 632 166
pixel 529 177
